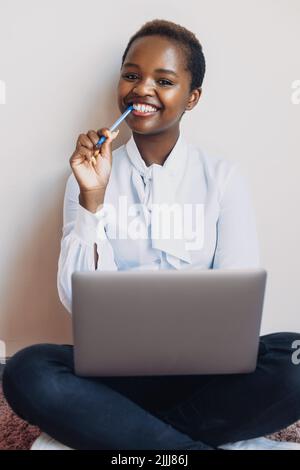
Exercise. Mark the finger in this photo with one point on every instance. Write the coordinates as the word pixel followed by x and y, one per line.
pixel 105 149
pixel 83 151
pixel 110 135
pixel 84 140
pixel 93 136
pixel 102 131
pixel 106 146
pixel 115 134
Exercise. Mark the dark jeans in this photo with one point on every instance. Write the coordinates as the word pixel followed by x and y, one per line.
pixel 154 412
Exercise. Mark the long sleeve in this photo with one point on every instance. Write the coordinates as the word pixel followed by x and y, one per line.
pixel 237 241
pixel 81 229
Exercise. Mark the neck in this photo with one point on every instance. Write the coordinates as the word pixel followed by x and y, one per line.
pixel 156 148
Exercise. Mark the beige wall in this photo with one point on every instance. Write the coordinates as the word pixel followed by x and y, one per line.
pixel 60 63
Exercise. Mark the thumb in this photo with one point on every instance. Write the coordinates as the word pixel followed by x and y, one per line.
pixel 114 134
pixel 105 148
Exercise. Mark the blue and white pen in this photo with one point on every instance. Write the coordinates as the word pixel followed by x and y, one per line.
pixel 115 125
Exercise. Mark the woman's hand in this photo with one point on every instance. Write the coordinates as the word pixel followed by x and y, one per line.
pixel 92 166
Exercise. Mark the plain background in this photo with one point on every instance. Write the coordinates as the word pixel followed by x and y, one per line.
pixel 60 61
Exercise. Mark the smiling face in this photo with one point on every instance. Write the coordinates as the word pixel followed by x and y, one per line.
pixel 142 78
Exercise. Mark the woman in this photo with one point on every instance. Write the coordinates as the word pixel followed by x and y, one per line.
pixel 162 67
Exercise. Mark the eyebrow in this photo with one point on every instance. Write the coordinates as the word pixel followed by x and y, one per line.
pixel 130 64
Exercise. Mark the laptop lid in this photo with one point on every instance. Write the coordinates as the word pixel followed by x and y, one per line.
pixel 128 323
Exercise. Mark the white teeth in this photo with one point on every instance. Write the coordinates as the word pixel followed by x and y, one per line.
pixel 144 108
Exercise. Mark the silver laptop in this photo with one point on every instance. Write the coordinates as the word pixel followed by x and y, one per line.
pixel 131 323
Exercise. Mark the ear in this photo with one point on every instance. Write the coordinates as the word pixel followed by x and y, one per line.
pixel 193 98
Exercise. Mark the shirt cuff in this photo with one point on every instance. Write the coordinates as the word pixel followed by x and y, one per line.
pixel 89 226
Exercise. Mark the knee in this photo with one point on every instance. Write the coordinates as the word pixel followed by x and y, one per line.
pixel 27 371
pixel 285 344
pixel 295 360
pixel 287 347
pixel 291 376
pixel 291 343
pixel 296 352
pixel 283 355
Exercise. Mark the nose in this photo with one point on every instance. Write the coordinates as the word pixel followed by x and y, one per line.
pixel 143 87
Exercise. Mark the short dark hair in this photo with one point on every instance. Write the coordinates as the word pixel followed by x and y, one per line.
pixel 195 60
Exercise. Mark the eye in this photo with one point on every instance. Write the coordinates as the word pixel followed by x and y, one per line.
pixel 166 81
pixel 128 75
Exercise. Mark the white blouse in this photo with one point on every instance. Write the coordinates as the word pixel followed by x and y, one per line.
pixel 192 212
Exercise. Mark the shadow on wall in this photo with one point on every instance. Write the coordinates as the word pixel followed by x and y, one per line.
pixel 31 309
